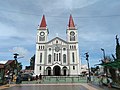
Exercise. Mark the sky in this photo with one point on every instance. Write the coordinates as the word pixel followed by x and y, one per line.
pixel 97 21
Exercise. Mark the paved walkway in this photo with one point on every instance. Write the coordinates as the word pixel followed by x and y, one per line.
pixel 68 86
pixel 6 86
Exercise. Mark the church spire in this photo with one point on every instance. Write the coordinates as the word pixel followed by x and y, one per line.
pixel 71 23
pixel 43 24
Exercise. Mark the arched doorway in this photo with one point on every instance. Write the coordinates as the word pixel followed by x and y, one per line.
pixel 56 71
pixel 64 71
pixel 48 71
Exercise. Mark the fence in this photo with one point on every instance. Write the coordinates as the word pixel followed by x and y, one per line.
pixel 58 79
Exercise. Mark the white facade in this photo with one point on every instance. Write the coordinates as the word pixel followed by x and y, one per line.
pixel 57 56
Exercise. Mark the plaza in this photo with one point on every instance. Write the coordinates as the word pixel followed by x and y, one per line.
pixel 57 83
pixel 68 86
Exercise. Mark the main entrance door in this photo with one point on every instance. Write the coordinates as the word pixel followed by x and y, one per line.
pixel 56 71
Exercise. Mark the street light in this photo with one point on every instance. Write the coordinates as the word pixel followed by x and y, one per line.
pixel 15 57
pixel 87 55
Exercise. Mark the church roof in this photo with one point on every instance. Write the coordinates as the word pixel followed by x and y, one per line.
pixel 71 24
pixel 43 23
pixel 9 62
pixel 2 65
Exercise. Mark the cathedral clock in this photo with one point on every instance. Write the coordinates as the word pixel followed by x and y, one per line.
pixel 72 33
pixel 42 33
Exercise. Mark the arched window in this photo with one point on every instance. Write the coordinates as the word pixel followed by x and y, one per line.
pixel 64 58
pixel 73 57
pixel 72 38
pixel 42 38
pixel 43 47
pixel 72 46
pixel 59 56
pixel 49 58
pixel 40 67
pixel 73 67
pixel 49 49
pixel 64 49
pixel 40 57
pixel 56 41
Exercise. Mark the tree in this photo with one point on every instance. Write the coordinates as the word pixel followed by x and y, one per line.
pixel 118 54
pixel 117 48
pixel 32 62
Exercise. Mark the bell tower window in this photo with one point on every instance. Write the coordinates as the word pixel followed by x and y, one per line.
pixel 73 57
pixel 42 38
pixel 72 36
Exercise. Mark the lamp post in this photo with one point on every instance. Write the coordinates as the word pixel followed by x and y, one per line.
pixel 87 55
pixel 15 58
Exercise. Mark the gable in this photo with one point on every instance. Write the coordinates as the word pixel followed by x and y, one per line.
pixel 57 40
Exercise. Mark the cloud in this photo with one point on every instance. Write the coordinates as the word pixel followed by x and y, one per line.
pixel 3 62
pixel 67 4
pixel 20 50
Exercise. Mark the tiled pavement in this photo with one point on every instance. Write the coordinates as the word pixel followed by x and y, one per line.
pixel 56 84
pixel 59 86
pixel 6 86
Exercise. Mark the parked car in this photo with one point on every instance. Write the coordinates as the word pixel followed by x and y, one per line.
pixel 33 75
pixel 26 77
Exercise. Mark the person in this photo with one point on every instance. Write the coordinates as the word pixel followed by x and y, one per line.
pixel 18 79
pixel 40 76
pixel 36 77
pixel 109 82
pixel 87 78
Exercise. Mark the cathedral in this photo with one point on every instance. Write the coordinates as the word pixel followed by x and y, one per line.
pixel 57 57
